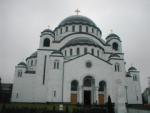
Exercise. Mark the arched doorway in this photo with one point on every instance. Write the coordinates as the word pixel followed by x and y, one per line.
pixel 88 92
pixel 102 92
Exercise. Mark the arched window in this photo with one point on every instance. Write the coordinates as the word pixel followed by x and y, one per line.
pixel 80 28
pixel 86 28
pixel 66 28
pixel 102 85
pixel 46 42
pixel 88 81
pixel 73 28
pixel 85 50
pixel 92 30
pixel 78 51
pixel 92 51
pixel 115 46
pixel 19 73
pixel 65 52
pixel 74 85
pixel 70 51
pixel 97 32
pixel 117 67
pixel 56 64
pixel 134 77
pixel 98 53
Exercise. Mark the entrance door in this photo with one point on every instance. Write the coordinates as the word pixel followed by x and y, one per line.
pixel 73 98
pixel 87 97
pixel 101 99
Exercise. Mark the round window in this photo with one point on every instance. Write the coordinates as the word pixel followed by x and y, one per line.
pixel 88 64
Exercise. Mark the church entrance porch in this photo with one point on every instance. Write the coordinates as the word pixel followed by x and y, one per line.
pixel 87 97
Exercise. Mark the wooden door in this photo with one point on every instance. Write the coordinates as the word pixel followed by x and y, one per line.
pixel 101 99
pixel 73 98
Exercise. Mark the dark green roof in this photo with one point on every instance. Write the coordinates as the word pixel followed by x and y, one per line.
pixel 47 30
pixel 112 35
pixel 77 19
pixel 81 41
pixel 132 69
pixel 22 63
pixel 114 55
pixel 33 55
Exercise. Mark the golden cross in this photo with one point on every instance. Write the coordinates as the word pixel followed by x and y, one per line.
pixel 77 11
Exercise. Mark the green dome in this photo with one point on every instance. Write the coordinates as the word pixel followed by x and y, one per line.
pixel 81 41
pixel 77 19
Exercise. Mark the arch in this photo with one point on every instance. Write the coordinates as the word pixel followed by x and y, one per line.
pixel 74 85
pixel 88 81
pixel 102 85
pixel 46 42
pixel 80 28
pixel 115 46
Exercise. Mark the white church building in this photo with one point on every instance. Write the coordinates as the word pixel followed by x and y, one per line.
pixel 74 64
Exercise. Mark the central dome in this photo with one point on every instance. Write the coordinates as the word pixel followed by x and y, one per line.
pixel 77 19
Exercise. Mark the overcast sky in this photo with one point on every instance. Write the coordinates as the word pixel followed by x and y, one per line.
pixel 21 22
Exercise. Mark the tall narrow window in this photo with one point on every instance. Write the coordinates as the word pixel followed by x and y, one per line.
pixel 85 50
pixel 97 32
pixel 92 51
pixel 98 53
pixel 117 67
pixel 78 51
pixel 73 28
pixel 19 73
pixel 115 46
pixel 54 93
pixel 61 31
pixel 70 51
pixel 86 28
pixel 66 28
pixel 92 30
pixel 46 42
pixel 56 64
pixel 65 52
pixel 80 28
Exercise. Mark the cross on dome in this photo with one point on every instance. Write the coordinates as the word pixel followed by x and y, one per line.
pixel 77 11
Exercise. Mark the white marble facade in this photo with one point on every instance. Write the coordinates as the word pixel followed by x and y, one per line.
pixel 75 59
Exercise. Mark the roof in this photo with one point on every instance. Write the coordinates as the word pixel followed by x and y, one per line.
pixel 22 63
pixel 132 69
pixel 81 41
pixel 112 35
pixel 47 30
pixel 57 53
pixel 114 55
pixel 77 19
pixel 33 55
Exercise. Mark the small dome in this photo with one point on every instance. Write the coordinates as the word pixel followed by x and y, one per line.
pixel 112 35
pixel 132 69
pixel 57 53
pixel 33 55
pixel 47 30
pixel 77 19
pixel 22 64
pixel 81 41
